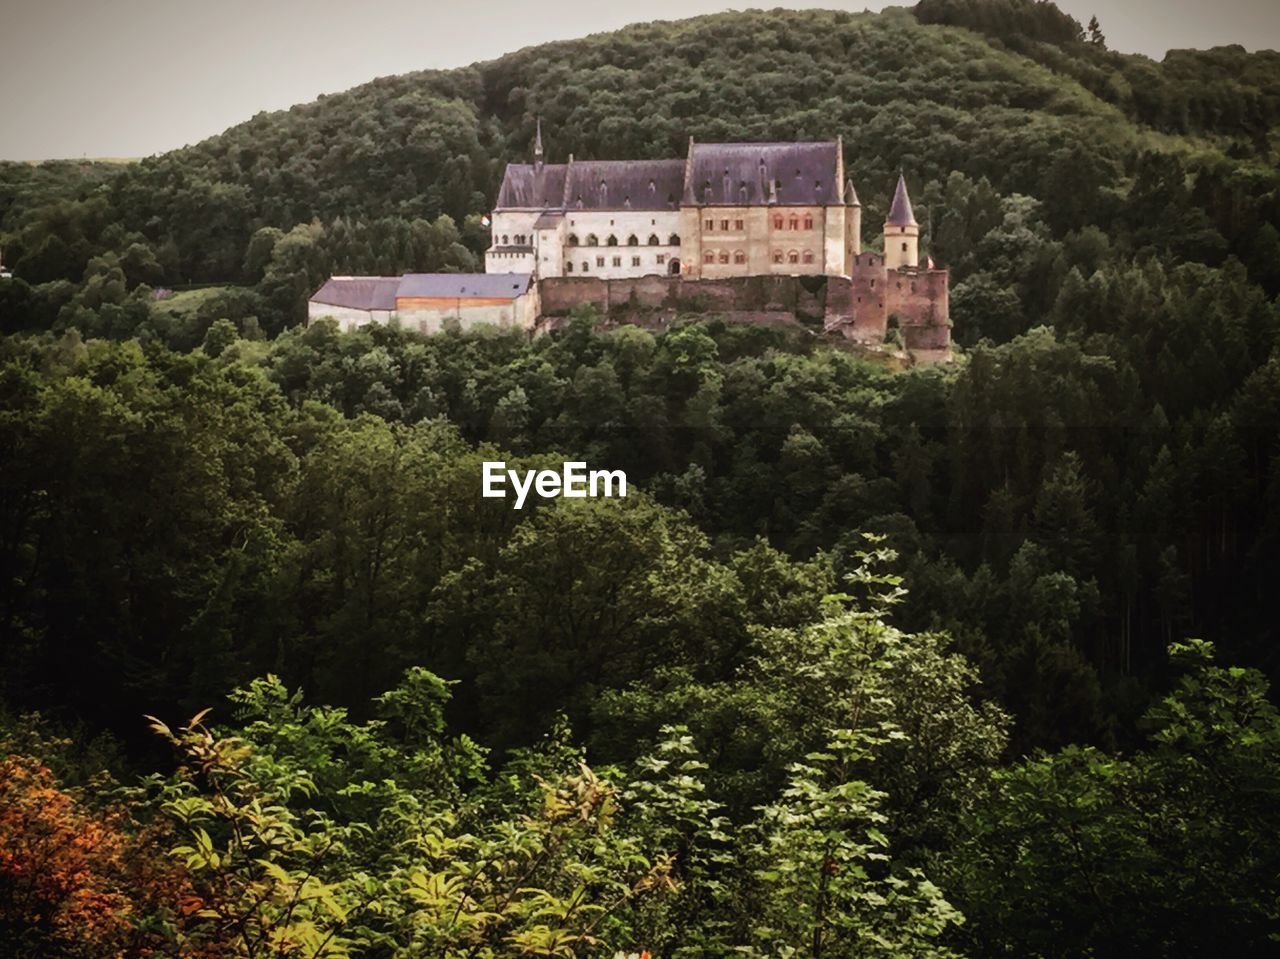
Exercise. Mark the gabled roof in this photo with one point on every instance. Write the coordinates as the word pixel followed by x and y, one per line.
pixel 464 285
pixel 740 174
pixel 900 210
pixel 359 292
pixel 624 185
pixel 529 187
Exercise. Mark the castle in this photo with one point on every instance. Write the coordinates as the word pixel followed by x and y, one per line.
pixel 749 231
pixel 727 210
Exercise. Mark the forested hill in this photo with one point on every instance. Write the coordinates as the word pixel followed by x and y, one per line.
pixel 1007 90
pixel 1062 731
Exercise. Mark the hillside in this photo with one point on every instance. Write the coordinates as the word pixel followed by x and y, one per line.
pixel 1026 106
pixel 970 660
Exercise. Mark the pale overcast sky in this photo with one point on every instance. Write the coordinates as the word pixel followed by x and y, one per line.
pixel 131 78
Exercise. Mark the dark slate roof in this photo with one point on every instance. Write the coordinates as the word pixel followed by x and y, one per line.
pixel 624 185
pixel 529 187
pixel 900 211
pixel 464 285
pixel 794 174
pixel 359 292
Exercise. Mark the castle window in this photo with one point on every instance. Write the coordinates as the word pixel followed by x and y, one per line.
pixel 795 223
pixel 711 225
pixel 568 267
pixel 599 261
pixel 635 261
pixel 777 223
pixel 653 239
pixel 739 225
pixel 505 241
pixel 573 239
pixel 793 257
pixel 592 240
pixel 617 261
pixel 662 258
pixel 808 256
pixel 904 248
pixel 612 241
pixel 777 256
pixel 708 257
pixel 632 241
pixel 724 224
pixel 724 256
pixel 586 267
pixel 873 282
pixel 673 240
pixel 808 223
pixel 739 256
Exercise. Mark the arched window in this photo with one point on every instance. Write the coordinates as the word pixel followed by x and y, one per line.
pixel 808 256
pixel 653 240
pixel 777 256
pixel 505 242
pixel 708 257
pixel 793 257
pixel 808 223
pixel 586 267
pixel 673 240
pixel 568 267
pixel 632 241
pixel 904 248
pixel 592 240
pixel 795 223
pixel 573 239
pixel 739 256
pixel 777 223
pixel 612 241
pixel 724 256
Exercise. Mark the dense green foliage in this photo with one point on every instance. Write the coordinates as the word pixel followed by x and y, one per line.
pixel 708 717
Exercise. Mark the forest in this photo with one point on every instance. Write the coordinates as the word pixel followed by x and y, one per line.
pixel 970 660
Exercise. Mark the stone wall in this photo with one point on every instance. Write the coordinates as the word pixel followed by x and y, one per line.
pixel 804 296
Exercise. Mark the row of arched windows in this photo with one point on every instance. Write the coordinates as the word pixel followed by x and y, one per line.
pixel 723 256
pixel 632 240
pixel 794 223
pixel 793 256
pixel 520 238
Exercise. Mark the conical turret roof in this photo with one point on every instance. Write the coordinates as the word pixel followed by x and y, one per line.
pixel 900 210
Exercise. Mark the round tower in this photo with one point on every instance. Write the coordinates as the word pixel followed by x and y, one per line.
pixel 901 232
pixel 855 218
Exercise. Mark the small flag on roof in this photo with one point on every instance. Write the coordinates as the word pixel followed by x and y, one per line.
pixel 485 221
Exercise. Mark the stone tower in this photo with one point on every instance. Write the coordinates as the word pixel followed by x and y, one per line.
pixel 855 218
pixel 901 232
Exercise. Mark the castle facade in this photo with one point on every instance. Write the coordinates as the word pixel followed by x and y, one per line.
pixel 725 210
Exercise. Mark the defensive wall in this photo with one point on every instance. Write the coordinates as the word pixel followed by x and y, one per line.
pixel 865 307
